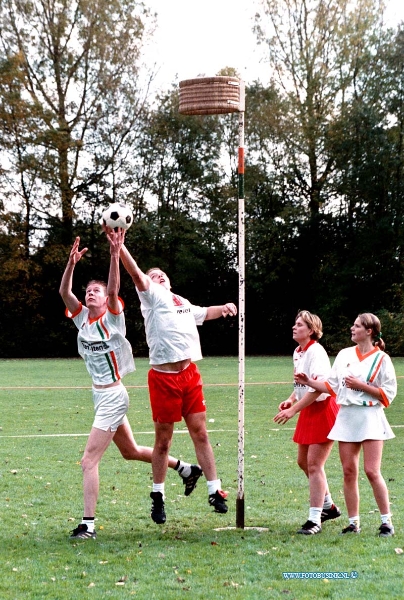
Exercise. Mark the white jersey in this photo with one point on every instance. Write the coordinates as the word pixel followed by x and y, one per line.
pixel 102 344
pixel 312 360
pixel 375 368
pixel 171 325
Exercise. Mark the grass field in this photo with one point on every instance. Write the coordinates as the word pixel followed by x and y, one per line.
pixel 46 414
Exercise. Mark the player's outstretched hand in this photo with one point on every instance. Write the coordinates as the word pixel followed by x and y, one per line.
pixel 116 238
pixel 75 253
pixel 229 309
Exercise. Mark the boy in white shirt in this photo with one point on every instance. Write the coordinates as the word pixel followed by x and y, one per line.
pixel 175 384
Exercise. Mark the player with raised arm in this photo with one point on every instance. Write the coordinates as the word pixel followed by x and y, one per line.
pixel 175 384
pixel 108 358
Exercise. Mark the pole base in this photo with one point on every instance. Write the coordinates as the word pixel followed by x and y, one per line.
pixel 240 513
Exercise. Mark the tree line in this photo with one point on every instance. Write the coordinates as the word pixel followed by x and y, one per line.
pixel 324 187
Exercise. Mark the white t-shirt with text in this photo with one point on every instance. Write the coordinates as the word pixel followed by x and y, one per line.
pixel 103 345
pixel 171 325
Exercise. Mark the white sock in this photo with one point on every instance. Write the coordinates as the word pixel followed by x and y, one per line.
pixel 355 521
pixel 214 486
pixel 386 519
pixel 89 522
pixel 315 514
pixel 328 501
pixel 159 487
pixel 183 468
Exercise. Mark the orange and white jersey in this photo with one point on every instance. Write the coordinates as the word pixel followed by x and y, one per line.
pixel 374 368
pixel 103 345
pixel 312 360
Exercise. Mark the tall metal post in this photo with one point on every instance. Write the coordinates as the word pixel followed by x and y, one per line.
pixel 241 332
pixel 215 96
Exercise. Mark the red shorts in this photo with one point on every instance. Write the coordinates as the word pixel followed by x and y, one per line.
pixel 175 395
pixel 316 421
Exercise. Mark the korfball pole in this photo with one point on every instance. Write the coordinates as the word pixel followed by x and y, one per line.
pixel 216 96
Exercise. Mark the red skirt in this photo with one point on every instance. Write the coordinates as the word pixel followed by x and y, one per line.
pixel 316 421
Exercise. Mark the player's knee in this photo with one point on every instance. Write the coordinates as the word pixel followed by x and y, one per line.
pixel 371 473
pixel 87 463
pixel 200 437
pixel 350 473
pixel 314 468
pixel 162 446
pixel 302 464
pixel 311 471
pixel 128 454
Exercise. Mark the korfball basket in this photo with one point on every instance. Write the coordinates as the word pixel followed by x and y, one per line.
pixel 211 95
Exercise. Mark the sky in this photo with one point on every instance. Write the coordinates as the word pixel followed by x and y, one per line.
pixel 200 38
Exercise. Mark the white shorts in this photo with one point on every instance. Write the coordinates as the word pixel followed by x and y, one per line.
pixel 356 423
pixel 110 405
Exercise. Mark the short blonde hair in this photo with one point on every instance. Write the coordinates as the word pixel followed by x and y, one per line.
pixel 313 322
pixel 103 284
pixel 153 269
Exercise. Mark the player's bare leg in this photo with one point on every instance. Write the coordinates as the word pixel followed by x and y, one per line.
pixel 196 424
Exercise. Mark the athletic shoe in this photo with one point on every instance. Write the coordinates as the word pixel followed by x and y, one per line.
pixel 218 501
pixel 351 529
pixel 386 530
pixel 191 481
pixel 309 528
pixel 330 513
pixel 81 532
pixel 157 508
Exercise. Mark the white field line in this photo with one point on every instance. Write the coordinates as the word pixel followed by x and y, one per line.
pixel 89 387
pixel 49 435
pixel 135 433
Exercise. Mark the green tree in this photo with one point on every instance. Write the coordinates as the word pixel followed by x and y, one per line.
pixel 322 143
pixel 317 49
pixel 368 181
pixel 71 98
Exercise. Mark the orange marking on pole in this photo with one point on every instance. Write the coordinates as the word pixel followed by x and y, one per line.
pixel 241 161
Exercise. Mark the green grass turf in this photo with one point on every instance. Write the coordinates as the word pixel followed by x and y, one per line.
pixel 45 415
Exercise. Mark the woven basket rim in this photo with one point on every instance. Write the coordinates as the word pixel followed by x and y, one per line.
pixel 209 80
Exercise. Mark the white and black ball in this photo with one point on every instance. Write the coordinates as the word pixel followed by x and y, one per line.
pixel 117 215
